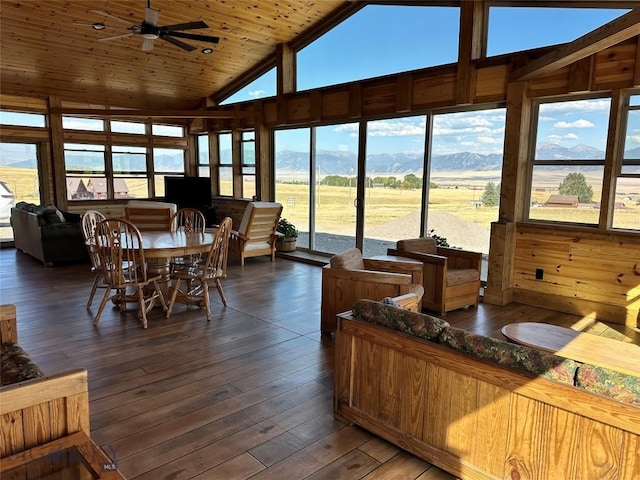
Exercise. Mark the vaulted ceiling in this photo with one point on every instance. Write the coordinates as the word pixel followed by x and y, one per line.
pixel 45 51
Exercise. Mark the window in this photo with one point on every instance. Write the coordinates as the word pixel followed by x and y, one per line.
pixel 167 130
pixel 203 156
pixel 512 29
pixel 128 127
pixel 567 167
pixel 248 153
pixel 626 209
pixel 166 161
pixel 129 172
pixel 85 167
pixel 225 169
pixel 380 40
pixel 77 123
pixel 22 119
pixel 261 87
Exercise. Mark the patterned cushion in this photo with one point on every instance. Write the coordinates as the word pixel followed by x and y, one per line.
pixel 349 260
pixel 621 387
pixel 420 245
pixel 529 360
pixel 16 365
pixel 411 323
pixel 458 276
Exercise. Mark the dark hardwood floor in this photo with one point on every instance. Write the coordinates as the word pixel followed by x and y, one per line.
pixel 247 395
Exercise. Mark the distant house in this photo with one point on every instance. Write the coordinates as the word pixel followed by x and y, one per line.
pixel 77 190
pixel 570 201
pixel 98 187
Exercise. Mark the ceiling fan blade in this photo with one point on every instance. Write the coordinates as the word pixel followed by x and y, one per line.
pixel 151 16
pixel 115 37
pixel 192 36
pixel 178 43
pixel 107 14
pixel 147 45
pixel 184 26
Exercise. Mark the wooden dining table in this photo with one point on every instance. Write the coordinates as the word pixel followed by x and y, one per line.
pixel 160 247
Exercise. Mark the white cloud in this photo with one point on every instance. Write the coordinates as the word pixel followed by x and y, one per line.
pixel 256 93
pixel 596 105
pixel 554 138
pixel 633 139
pixel 571 136
pixel 390 128
pixel 490 140
pixel 580 123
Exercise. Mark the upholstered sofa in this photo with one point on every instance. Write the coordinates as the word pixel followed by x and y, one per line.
pixel 480 407
pixel 46 233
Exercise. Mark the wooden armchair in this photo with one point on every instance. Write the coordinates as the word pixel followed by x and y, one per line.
pixel 451 277
pixel 256 235
pixel 349 277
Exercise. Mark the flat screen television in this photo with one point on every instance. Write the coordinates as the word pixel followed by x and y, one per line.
pixel 188 192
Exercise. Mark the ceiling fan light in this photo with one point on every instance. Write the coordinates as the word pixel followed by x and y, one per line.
pixel 207 51
pixel 150 36
pixel 98 26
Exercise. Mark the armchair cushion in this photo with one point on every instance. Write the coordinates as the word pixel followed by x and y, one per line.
pixel 350 260
pixel 459 276
pixel 420 245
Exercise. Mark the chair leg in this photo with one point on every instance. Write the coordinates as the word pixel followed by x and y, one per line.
pixel 219 287
pixel 160 296
pixel 94 287
pixel 143 307
pixel 172 301
pixel 102 304
pixel 207 303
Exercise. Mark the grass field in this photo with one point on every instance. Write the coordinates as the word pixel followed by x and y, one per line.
pixel 335 212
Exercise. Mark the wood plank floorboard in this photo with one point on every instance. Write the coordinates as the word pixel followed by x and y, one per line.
pixel 246 395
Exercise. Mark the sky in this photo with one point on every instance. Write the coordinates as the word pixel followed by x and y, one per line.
pixel 383 39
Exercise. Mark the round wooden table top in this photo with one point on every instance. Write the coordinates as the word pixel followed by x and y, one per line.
pixel 174 244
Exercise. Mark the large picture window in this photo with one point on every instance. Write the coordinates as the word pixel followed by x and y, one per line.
pixel 567 167
pixel 626 209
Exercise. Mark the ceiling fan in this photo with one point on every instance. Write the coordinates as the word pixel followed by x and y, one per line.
pixel 150 31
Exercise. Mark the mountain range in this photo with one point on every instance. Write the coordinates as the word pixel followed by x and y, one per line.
pixel 345 163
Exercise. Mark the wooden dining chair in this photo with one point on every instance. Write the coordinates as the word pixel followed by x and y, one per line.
pixel 187 220
pixel 119 244
pixel 199 277
pixel 89 221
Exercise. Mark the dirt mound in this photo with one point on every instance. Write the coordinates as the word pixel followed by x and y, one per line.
pixel 459 233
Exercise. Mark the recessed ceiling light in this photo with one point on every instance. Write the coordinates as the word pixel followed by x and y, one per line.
pixel 207 50
pixel 98 26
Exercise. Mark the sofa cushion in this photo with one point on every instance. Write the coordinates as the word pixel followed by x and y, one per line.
pixel 405 321
pixel 16 365
pixel 529 360
pixel 616 385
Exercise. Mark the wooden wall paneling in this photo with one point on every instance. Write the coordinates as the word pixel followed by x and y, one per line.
pixel 297 109
pixel 404 92
pixel 581 75
pixel 556 83
pixel 491 83
pixel 21 103
pixel 336 103
pixel 435 90
pixel 631 464
pixel 614 67
pixel 191 156
pixel 377 98
pixel 356 95
pixel 26 134
pixel 315 106
pixel 500 267
pixel 391 390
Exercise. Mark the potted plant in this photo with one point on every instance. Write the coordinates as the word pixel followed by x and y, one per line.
pixel 286 241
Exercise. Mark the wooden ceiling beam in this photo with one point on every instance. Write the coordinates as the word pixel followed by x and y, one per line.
pixel 94 112
pixel 607 35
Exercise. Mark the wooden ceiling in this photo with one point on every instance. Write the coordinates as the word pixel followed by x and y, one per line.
pixel 43 52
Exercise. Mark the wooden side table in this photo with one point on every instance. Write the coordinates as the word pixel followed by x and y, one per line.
pixel 74 456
